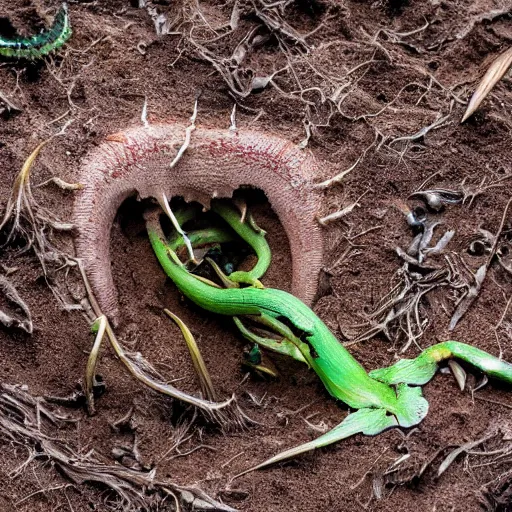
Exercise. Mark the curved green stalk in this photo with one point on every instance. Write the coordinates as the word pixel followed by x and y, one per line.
pixel 420 370
pixel 201 237
pixel 253 237
pixel 212 235
pixel 42 44
pixel 317 344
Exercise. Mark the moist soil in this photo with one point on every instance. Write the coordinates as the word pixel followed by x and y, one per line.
pixel 370 73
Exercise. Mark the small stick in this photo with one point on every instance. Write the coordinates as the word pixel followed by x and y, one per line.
pixel 341 213
pixel 438 123
pixel 495 402
pixel 336 179
pixel 44 491
pixel 90 370
pixel 367 472
pixel 232 459
pixel 57 119
pixel 450 458
pixel 480 275
pixel 64 185
pixel 429 179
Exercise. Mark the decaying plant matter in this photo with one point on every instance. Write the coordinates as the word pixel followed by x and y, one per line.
pixel 401 313
pixel 493 449
pixel 12 319
pixel 304 72
pixel 424 269
pixel 28 421
pixel 237 38
pixel 27 220
pixel 225 414
pixel 493 75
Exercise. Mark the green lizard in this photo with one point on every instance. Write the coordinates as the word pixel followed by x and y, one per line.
pixel 383 398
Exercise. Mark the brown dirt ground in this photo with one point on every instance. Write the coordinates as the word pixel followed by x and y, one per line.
pixel 99 81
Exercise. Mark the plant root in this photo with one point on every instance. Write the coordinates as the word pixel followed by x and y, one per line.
pixel 12 295
pixel 26 421
pixel 34 224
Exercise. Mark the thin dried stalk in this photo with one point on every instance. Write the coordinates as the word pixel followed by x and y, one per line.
pixel 64 185
pixel 142 371
pixel 34 224
pixel 494 74
pixel 226 414
pixel 90 370
pixel 13 296
pixel 197 359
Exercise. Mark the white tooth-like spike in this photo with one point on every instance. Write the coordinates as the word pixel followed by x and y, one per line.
pixel 459 373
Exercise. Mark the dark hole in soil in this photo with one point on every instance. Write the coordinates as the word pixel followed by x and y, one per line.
pixel 6 29
pixel 132 255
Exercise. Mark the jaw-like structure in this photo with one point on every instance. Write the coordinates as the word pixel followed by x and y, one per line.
pixel 216 163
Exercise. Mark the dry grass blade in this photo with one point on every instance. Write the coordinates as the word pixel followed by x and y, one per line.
pixel 226 414
pixel 341 213
pixel 90 371
pixel 493 75
pixel 13 296
pixel 143 371
pixel 197 359
pixel 461 449
pixel 164 203
pixel 21 193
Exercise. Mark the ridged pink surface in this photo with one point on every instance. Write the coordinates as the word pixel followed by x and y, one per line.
pixel 216 163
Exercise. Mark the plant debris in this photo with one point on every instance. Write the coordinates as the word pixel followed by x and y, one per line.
pixel 35 225
pixel 11 319
pixel 493 75
pixel 27 421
